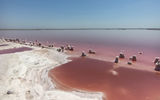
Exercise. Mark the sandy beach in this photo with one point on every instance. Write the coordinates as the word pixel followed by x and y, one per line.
pixel 24 75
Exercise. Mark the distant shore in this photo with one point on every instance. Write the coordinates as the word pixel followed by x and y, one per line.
pixel 86 29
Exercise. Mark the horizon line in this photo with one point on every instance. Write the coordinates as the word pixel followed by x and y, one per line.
pixel 80 29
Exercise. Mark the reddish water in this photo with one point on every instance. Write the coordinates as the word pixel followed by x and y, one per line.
pixel 14 50
pixel 94 75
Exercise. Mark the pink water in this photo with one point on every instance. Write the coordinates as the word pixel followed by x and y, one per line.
pixel 14 50
pixel 95 75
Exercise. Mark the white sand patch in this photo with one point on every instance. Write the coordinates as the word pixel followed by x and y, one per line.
pixel 25 74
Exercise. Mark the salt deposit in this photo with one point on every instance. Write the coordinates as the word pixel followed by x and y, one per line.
pixel 24 76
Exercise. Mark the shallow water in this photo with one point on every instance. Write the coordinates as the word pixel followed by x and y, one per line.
pixel 14 50
pixel 120 84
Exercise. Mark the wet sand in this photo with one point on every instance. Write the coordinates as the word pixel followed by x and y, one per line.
pixel 117 84
pixel 14 50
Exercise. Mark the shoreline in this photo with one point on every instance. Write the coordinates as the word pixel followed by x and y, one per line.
pixel 62 86
pixel 27 76
pixel 38 62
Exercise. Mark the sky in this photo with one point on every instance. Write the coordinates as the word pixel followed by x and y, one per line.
pixel 22 14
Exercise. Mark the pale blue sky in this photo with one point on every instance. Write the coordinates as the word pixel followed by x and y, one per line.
pixel 79 13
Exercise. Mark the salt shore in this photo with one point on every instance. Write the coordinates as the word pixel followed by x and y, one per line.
pixel 24 75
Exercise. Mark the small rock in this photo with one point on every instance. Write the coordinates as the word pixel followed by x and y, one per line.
pixel 156 60
pixel 59 50
pixel 133 58
pixel 140 53
pixel 83 54
pixel 116 59
pixel 42 47
pixel 91 52
pixel 28 91
pixel 129 63
pixel 51 45
pixel 62 48
pixel 71 48
pixel 121 55
pixel 9 92
pixel 157 68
